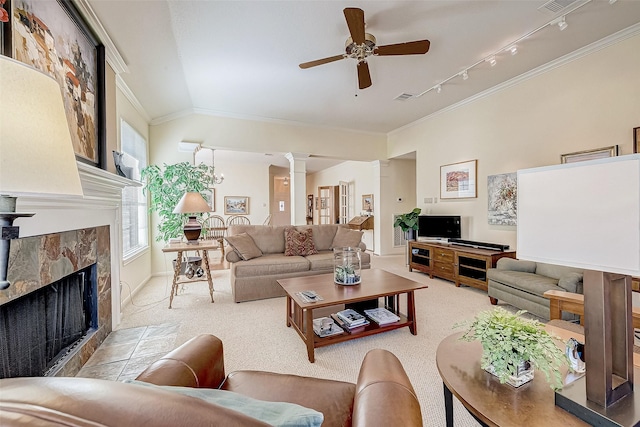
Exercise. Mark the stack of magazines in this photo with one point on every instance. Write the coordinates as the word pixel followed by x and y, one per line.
pixel 351 318
pixel 326 327
pixel 382 316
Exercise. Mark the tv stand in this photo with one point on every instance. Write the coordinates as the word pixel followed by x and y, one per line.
pixel 460 264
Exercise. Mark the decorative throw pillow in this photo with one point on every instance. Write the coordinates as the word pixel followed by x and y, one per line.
pixel 283 414
pixel 299 242
pixel 346 238
pixel 244 246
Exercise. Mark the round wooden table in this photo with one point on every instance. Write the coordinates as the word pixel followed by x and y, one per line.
pixel 492 403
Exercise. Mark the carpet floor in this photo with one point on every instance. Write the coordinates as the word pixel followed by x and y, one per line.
pixel 255 335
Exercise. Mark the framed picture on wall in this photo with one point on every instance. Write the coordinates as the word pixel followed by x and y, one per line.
pixel 367 202
pixel 210 196
pixel 598 153
pixel 236 205
pixel 636 140
pixel 74 57
pixel 458 180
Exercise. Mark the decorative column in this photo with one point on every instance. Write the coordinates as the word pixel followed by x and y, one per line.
pixel 298 187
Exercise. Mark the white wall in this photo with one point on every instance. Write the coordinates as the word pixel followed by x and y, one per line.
pixel 591 102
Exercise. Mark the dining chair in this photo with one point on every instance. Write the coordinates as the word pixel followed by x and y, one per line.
pixel 216 230
pixel 238 220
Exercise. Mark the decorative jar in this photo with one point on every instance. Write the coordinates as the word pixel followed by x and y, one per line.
pixel 347 265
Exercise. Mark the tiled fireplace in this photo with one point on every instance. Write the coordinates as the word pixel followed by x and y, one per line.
pixel 43 261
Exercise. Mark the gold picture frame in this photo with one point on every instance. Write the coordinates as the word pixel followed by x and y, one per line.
pixel 236 205
pixel 598 153
pixel 458 180
pixel 367 202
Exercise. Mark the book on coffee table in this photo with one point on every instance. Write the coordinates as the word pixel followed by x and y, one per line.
pixel 382 316
pixel 326 327
pixel 351 317
pixel 352 330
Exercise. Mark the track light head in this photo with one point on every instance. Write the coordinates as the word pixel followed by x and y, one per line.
pixel 513 49
pixel 491 60
pixel 465 75
pixel 562 24
pixel 438 88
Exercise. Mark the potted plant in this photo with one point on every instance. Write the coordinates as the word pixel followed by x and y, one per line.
pixel 408 223
pixel 510 342
pixel 167 186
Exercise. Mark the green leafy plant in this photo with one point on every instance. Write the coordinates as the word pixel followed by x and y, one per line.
pixel 167 186
pixel 408 221
pixel 508 339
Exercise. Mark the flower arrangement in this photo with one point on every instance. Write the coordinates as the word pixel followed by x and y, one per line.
pixel 508 340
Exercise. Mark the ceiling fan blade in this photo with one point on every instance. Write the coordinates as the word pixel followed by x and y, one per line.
pixel 364 77
pixel 355 22
pixel 321 61
pixel 408 48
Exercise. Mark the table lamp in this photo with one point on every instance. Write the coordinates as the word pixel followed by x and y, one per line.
pixel 36 152
pixel 191 203
pixel 587 215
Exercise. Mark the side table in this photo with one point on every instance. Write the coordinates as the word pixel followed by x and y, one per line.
pixel 203 246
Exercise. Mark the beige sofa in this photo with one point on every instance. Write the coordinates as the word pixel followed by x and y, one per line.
pixel 254 277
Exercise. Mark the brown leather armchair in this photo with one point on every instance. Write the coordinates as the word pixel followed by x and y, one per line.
pixel 382 396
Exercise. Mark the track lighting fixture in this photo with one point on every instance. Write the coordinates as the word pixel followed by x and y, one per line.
pixel 612 1
pixel 562 24
pixel 511 48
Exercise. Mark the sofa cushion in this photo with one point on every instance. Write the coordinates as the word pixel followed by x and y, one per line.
pixel 516 265
pixel 346 238
pixel 554 271
pixel 283 414
pixel 570 282
pixel 244 245
pixel 333 398
pixel 321 261
pixel 271 264
pixel 322 235
pixel 527 282
pixel 299 242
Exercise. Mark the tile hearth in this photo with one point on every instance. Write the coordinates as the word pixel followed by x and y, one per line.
pixel 127 352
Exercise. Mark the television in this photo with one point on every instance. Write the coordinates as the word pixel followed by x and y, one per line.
pixel 439 227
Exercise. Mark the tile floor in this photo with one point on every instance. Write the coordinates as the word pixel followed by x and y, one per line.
pixel 127 352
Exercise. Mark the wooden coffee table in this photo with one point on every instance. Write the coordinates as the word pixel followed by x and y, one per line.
pixel 375 284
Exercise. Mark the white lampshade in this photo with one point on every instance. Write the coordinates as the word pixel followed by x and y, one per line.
pixel 584 215
pixel 36 152
pixel 192 202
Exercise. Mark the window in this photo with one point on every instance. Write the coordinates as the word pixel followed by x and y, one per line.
pixel 135 219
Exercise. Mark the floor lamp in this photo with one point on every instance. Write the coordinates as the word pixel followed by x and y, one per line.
pixel 36 152
pixel 587 215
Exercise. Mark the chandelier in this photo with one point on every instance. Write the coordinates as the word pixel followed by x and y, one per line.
pixel 205 155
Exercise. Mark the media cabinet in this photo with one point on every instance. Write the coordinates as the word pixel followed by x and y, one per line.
pixel 462 265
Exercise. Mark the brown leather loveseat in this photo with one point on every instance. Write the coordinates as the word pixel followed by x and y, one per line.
pixel 382 396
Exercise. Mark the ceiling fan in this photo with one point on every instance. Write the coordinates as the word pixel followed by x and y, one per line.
pixel 362 45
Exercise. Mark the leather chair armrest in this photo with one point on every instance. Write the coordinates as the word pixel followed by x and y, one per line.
pixel 197 363
pixel 384 394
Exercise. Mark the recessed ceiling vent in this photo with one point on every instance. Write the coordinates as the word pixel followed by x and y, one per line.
pixel 404 97
pixel 553 7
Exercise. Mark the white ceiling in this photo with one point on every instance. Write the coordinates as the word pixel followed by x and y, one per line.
pixel 240 58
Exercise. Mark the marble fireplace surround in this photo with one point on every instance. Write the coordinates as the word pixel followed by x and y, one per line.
pixel 38 261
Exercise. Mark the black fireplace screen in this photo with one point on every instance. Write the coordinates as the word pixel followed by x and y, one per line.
pixel 39 328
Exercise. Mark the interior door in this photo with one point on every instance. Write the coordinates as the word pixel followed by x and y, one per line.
pixel 343 207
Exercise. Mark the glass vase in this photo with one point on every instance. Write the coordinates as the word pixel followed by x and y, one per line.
pixel 347 265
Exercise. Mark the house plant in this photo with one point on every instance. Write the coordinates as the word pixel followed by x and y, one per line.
pixel 508 340
pixel 408 222
pixel 167 185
